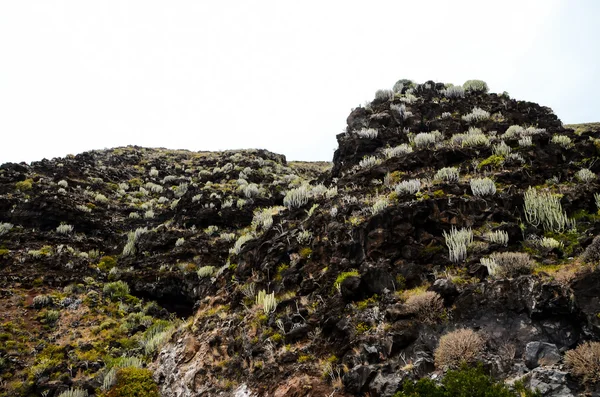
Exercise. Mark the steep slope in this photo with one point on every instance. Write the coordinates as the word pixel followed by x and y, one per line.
pixel 150 218
pixel 445 209
pixel 350 276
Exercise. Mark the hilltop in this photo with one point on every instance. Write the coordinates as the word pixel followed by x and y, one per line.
pixel 453 224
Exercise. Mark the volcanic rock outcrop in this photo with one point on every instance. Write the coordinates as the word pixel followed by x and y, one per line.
pixel 451 218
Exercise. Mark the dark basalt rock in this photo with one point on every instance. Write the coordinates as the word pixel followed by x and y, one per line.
pixel 541 353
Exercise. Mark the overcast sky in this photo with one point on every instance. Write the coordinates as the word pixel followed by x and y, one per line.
pixel 281 75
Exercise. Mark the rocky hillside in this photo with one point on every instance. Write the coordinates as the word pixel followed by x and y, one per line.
pixel 454 226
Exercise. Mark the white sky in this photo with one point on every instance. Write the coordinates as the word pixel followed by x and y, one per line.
pixel 281 75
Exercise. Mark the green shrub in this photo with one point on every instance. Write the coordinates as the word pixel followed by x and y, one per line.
pixel 27 184
pixel 107 263
pixel 471 382
pixel 134 382
pixel 116 290
pixel 494 161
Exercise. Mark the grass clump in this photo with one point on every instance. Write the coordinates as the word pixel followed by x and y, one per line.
pixel 508 264
pixel 428 306
pixel 458 347
pixel 116 290
pixel 134 382
pixel 584 361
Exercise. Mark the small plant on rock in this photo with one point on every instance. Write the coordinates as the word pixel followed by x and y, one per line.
pixel 25 185
pixel 206 271
pixel 63 228
pixel 477 114
pixel 562 140
pixel 508 264
pixel 74 393
pixel 397 150
pixel 447 174
pixel 426 139
pixel 526 141
pixel 268 302
pixel 483 187
pixel 585 175
pixel 457 242
pixel 467 381
pixel 369 161
pixel 411 186
pixel 5 228
pixel 380 205
pixel 544 209
pixel 497 237
pixel 384 95
pixel 454 91
pixel 369 133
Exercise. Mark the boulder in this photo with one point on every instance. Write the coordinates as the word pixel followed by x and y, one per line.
pixel 541 354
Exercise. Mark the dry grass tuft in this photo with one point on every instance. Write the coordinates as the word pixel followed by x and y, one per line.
pixel 463 345
pixel 428 306
pixel 584 361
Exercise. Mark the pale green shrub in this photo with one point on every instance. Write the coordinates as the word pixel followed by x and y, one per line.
pixel 369 161
pixel 457 242
pixel 447 174
pixel 381 204
pixel 397 150
pixel 497 237
pixel 476 86
pixel 369 133
pixel 476 114
pixel 508 264
pixel 562 140
pixel 411 186
pixel 267 301
pixel 483 187
pixel 544 209
pixel 585 175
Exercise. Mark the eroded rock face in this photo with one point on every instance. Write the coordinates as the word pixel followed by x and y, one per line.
pixel 347 253
pixel 527 319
